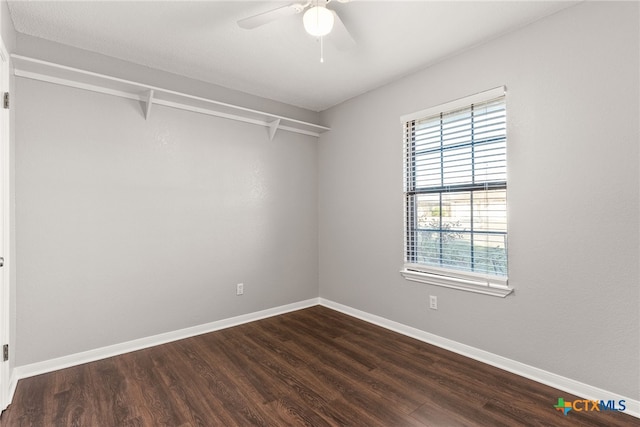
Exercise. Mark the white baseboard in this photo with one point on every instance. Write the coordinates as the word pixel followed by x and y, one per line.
pixel 51 365
pixel 557 381
pixel 539 375
pixel 13 383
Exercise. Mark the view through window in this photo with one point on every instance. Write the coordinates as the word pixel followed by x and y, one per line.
pixel 455 189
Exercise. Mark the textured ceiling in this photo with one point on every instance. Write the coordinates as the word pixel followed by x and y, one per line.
pixel 278 60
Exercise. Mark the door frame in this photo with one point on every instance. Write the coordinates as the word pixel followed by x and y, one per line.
pixel 6 382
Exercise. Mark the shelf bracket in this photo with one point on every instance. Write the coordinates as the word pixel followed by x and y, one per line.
pixel 273 127
pixel 147 110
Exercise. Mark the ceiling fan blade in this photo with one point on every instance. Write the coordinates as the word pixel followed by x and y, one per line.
pixel 271 15
pixel 340 36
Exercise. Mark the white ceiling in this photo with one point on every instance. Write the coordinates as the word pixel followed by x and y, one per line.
pixel 279 60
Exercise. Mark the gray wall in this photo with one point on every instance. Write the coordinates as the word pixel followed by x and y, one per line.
pixel 71 56
pixel 8 32
pixel 573 93
pixel 129 228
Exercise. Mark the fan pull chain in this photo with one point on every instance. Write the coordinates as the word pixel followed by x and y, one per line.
pixel 321 49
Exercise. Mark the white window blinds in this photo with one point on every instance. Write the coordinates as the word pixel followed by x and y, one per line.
pixel 455 184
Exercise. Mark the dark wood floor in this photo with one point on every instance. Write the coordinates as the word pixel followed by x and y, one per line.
pixel 313 367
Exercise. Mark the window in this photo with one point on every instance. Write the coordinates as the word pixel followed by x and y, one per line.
pixel 455 188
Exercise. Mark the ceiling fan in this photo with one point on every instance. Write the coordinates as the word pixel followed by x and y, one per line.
pixel 318 20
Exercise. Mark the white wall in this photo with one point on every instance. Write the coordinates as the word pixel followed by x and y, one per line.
pixel 129 228
pixel 573 129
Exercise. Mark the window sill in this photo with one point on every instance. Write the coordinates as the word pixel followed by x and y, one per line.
pixel 479 287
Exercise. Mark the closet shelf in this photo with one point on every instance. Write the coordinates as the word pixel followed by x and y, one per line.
pixel 149 95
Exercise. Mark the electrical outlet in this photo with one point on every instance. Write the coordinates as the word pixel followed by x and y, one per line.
pixel 240 289
pixel 433 302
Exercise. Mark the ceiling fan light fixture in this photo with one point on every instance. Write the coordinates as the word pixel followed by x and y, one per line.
pixel 318 21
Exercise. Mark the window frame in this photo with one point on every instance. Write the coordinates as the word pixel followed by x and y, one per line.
pixel 451 278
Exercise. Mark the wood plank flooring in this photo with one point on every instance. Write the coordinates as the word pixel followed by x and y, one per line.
pixel 313 367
